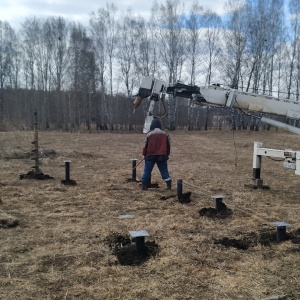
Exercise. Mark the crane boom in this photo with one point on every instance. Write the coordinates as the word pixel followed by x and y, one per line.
pixel 250 101
pixel 215 95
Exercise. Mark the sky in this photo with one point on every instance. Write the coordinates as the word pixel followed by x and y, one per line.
pixel 16 11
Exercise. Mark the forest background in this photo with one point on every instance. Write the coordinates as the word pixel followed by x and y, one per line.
pixel 85 77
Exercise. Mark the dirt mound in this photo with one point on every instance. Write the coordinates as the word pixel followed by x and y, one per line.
pixel 213 213
pixel 32 175
pixel 268 237
pixel 265 237
pixel 122 247
pixel 185 198
pixel 235 243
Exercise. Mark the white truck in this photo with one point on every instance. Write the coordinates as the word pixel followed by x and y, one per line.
pixel 215 95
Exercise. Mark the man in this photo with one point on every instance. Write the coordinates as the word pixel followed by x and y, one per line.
pixel 156 150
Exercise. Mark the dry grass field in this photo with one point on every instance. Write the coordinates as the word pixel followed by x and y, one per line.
pixel 68 242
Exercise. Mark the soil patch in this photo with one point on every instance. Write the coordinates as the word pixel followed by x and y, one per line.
pixel 168 197
pixel 247 240
pixel 125 250
pixel 265 237
pixel 269 236
pixel 213 213
pixel 32 175
pixel 185 198
pixel 235 243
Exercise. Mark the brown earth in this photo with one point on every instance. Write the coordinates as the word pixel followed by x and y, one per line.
pixel 66 242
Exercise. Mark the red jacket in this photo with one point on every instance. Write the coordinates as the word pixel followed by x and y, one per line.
pixel 157 142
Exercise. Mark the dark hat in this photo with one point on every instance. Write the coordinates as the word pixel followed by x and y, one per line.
pixel 155 124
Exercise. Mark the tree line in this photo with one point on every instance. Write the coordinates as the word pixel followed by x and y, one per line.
pixel 78 76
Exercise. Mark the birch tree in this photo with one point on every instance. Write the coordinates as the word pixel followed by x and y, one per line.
pixel 99 34
pixel 264 36
pixel 30 41
pixel 126 53
pixel 59 37
pixel 194 49
pixel 294 56
pixel 169 23
pixel 82 73
pixel 6 61
pixel 212 44
pixel 235 39
pixel 212 49
pixel 104 29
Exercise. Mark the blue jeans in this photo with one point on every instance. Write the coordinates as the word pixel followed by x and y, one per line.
pixel 162 166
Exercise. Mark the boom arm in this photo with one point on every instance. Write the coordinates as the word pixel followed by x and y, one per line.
pixel 215 95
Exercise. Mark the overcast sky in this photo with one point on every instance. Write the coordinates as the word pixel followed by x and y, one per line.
pixel 16 11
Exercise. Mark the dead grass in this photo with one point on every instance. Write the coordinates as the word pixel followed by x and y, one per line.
pixel 59 247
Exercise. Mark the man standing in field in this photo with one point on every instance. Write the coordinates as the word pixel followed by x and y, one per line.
pixel 156 150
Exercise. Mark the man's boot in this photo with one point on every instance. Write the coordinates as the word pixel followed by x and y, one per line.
pixel 144 186
pixel 169 184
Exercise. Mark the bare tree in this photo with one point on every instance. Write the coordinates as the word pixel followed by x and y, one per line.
pixel 44 51
pixel 276 38
pixel 126 53
pixel 212 44
pixel 294 63
pixel 82 72
pixel 14 77
pixel 29 41
pixel 235 39
pixel 144 46
pixel 104 24
pixel 169 23
pixel 59 35
pixel 6 61
pixel 212 49
pixel 264 34
pixel 194 48
pixel 146 50
pixel 99 34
